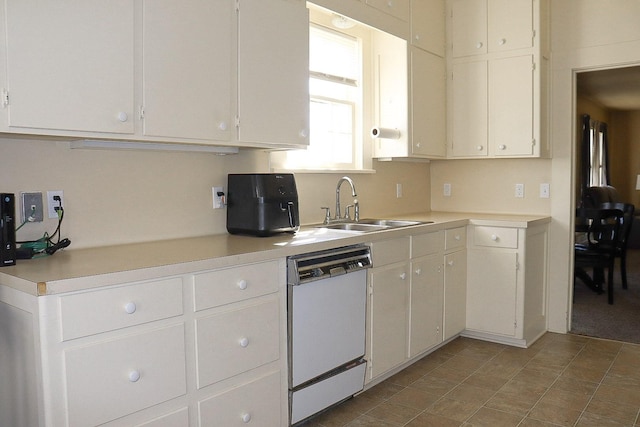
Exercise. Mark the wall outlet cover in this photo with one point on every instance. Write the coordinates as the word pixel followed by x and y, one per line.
pixel 32 210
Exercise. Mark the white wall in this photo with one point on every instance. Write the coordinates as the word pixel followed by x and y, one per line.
pixel 586 35
pixel 115 197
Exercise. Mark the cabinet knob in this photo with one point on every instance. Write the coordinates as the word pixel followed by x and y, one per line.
pixel 450 263
pixel 502 147
pixel 479 45
pixel 130 307
pixel 303 133
pixel 244 342
pixel 390 3
pixel 417 37
pixel 494 237
pixel 403 276
pixel 134 376
pixel 242 284
pixel 458 237
pixel 480 148
pixel 418 271
pixel 122 116
pixel 222 126
pixel 502 42
pixel 418 145
pixel 246 418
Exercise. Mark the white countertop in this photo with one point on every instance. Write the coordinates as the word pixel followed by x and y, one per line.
pixel 71 270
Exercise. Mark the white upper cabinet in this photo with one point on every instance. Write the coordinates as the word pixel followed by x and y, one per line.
pixel 397 8
pixel 273 72
pixel 510 25
pixel 469 29
pixel 482 26
pixel 187 66
pixel 469 110
pixel 427 25
pixel 70 65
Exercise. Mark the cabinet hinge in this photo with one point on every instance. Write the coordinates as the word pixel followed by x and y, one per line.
pixel 237 5
pixel 237 121
pixel 533 34
pixel 533 142
pixel 141 112
pixel 370 290
pixel 5 98
pixel 533 66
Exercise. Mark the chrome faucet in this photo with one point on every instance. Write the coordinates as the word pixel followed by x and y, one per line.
pixel 356 207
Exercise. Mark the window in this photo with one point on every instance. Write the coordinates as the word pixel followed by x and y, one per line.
pixel 594 160
pixel 337 89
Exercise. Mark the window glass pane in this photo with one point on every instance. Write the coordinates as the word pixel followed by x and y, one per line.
pixel 333 53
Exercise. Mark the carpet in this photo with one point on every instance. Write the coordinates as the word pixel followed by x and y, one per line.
pixel 592 316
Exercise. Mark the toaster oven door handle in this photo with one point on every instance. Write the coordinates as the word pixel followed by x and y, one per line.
pixel 292 219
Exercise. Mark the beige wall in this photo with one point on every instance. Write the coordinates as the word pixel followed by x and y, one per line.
pixel 625 154
pixel 114 197
pixel 489 185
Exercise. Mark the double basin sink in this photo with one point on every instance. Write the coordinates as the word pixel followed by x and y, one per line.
pixel 368 225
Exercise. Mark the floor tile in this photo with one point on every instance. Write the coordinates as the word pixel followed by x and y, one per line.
pixel 554 414
pixel 492 418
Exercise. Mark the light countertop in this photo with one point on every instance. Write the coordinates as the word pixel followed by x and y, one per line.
pixel 70 270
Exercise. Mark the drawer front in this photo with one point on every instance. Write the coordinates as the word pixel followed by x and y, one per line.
pixel 427 244
pixel 216 288
pixel 178 418
pixel 455 238
pixel 236 341
pixel 390 251
pixel 497 237
pixel 258 403
pixel 104 310
pixel 114 378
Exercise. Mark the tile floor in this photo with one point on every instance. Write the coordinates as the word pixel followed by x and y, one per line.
pixel 561 380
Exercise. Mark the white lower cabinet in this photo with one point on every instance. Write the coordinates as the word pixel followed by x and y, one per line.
pixel 200 349
pixel 426 307
pixel 506 284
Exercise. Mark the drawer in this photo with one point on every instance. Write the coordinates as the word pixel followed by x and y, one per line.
pixel 105 310
pixel 177 418
pixel 455 238
pixel 427 244
pixel 219 287
pixel 497 237
pixel 258 402
pixel 390 251
pixel 115 378
pixel 236 341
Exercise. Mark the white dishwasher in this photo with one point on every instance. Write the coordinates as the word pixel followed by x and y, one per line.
pixel 327 295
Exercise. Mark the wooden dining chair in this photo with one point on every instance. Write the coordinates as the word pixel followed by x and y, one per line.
pixel 621 250
pixel 598 252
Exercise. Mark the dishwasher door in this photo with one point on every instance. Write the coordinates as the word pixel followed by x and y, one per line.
pixel 327 325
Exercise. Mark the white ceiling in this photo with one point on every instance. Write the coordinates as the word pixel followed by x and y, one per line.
pixel 616 89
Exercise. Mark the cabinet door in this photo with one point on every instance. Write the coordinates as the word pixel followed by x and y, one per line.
pixel 426 303
pixel 427 25
pixel 389 299
pixel 70 64
pixel 510 25
pixel 469 27
pixel 397 8
pixel 273 72
pixel 428 100
pixel 491 291
pixel 187 60
pixel 469 110
pixel 511 112
pixel 455 293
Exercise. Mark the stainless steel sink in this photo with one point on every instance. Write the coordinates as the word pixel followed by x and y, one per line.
pixel 368 225
pixel 393 223
pixel 352 226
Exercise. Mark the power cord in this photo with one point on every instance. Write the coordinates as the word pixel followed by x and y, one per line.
pixel 45 245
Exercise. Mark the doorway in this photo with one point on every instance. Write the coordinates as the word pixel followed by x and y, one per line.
pixel 611 96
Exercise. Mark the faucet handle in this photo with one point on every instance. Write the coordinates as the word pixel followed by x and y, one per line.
pixel 347 214
pixel 356 210
pixel 327 214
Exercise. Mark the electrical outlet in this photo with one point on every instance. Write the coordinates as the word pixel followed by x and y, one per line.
pixel 545 191
pixel 447 190
pixel 32 210
pixel 398 191
pixel 519 191
pixel 53 205
pixel 219 198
